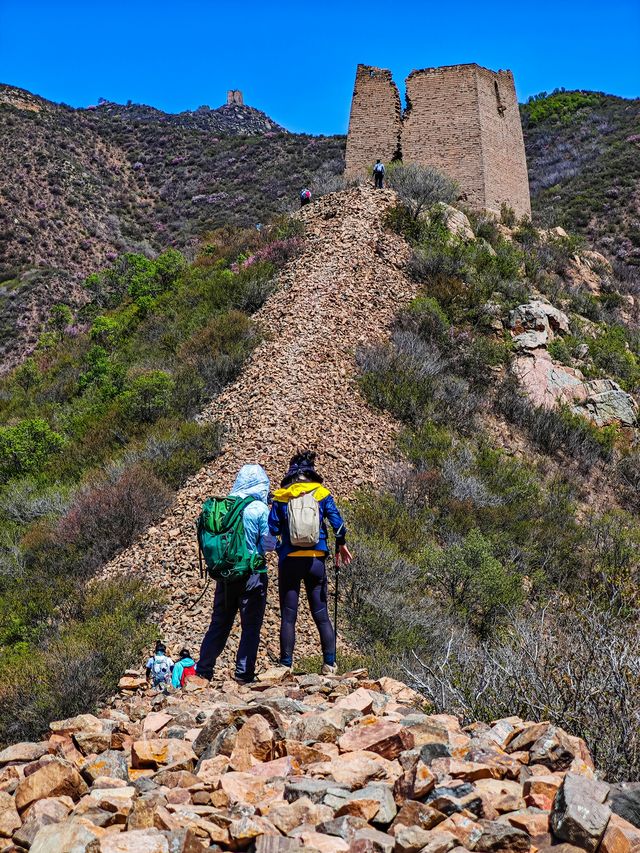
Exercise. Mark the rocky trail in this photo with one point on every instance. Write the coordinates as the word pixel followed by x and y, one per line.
pixel 297 390
pixel 325 764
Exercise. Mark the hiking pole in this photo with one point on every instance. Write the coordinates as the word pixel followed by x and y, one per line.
pixel 335 603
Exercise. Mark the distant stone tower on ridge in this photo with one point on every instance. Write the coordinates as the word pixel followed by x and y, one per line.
pixel 461 119
pixel 234 96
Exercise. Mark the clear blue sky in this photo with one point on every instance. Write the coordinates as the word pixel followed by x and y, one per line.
pixel 296 60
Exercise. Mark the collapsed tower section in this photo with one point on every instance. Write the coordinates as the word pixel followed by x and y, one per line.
pixel 375 121
pixel 460 119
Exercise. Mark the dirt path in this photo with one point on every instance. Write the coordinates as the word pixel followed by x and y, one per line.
pixel 297 390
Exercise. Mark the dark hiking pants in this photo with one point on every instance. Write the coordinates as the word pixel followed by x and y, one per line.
pixel 378 178
pixel 292 572
pixel 250 598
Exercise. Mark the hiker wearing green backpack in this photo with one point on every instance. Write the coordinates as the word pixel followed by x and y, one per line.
pixel 300 510
pixel 233 538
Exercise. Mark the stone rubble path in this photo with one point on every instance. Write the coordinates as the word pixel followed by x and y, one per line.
pixel 298 389
pixel 325 764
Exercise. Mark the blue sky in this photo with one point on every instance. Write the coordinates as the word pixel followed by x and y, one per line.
pixel 297 61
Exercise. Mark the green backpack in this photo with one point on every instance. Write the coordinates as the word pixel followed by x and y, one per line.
pixel 221 540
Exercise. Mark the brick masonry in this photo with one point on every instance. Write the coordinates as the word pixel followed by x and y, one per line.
pixel 234 96
pixel 461 119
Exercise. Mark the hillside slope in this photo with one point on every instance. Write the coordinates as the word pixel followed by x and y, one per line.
pixel 583 153
pixel 79 187
pixel 297 390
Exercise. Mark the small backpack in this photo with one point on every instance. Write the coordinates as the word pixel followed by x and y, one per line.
pixel 187 672
pixel 304 520
pixel 221 539
pixel 160 670
pixel 378 168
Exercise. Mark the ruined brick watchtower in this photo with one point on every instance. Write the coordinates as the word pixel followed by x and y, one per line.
pixel 461 119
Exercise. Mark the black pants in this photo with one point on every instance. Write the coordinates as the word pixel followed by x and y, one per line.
pixel 250 598
pixel 312 572
pixel 378 177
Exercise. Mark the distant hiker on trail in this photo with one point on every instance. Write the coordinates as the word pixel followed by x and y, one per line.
pixel 233 535
pixel 305 197
pixel 159 667
pixel 300 509
pixel 378 175
pixel 183 669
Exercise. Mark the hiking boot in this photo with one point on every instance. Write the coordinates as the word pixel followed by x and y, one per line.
pixel 241 680
pixel 329 669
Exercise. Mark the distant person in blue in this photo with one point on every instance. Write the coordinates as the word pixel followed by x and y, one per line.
pixel 159 667
pixel 306 564
pixel 305 197
pixel 249 595
pixel 378 175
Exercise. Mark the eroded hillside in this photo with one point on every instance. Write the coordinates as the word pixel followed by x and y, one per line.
pixel 297 390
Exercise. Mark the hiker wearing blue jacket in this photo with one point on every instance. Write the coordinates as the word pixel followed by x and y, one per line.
pixel 297 565
pixel 183 669
pixel 249 595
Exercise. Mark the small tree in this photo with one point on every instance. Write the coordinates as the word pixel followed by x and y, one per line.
pixel 420 187
pixel 60 318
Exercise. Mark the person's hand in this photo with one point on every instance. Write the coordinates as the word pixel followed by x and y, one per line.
pixel 343 556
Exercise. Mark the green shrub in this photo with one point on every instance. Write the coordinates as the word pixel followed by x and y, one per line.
pixel 148 396
pixel 70 673
pixel 27 447
pixel 610 352
pixel 476 584
pixel 177 449
pixel 420 187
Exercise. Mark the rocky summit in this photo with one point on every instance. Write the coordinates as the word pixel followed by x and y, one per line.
pixel 323 763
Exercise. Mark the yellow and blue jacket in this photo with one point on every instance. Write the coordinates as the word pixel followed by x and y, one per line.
pixel 279 520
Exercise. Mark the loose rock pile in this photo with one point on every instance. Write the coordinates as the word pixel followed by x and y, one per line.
pixel 297 390
pixel 329 764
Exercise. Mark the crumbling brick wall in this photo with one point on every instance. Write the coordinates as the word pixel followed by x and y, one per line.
pixel 375 121
pixel 461 119
pixel 234 96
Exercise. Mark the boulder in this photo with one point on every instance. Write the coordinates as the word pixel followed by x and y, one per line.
pixel 414 813
pixel 386 738
pixel 76 835
pixel 57 778
pixel 411 839
pixel 383 794
pixel 455 221
pixel 111 763
pixel 540 791
pixel 254 743
pixel 579 816
pixel 604 402
pixel 355 769
pixel 620 836
pixel 360 700
pixel 136 841
pixel 534 324
pixel 252 790
pixel 624 800
pixel 23 752
pixel 286 816
pixel 9 817
pixel 167 751
pixel 495 836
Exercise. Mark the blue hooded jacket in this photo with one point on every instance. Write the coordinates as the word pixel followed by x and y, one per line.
pixel 253 480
